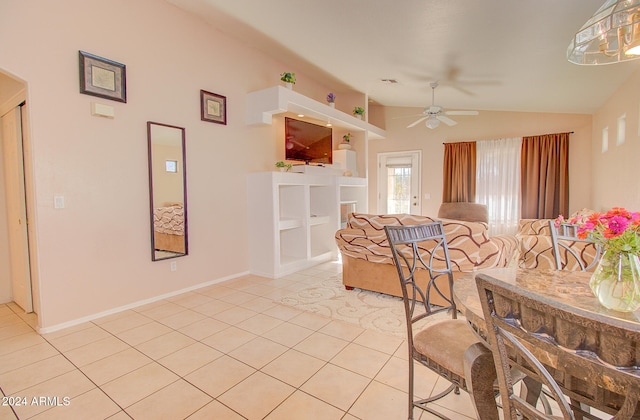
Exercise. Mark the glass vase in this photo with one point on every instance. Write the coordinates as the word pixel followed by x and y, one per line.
pixel 616 281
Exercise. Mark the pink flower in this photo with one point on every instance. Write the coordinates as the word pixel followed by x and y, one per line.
pixel 617 225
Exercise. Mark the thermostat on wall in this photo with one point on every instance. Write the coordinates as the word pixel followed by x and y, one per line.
pixel 102 110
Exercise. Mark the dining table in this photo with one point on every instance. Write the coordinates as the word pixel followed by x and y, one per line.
pixel 567 287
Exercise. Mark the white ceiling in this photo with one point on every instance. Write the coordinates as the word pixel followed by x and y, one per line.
pixel 506 54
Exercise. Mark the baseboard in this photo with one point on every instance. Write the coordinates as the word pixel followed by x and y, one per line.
pixel 57 327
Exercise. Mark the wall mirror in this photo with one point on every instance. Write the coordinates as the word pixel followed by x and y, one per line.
pixel 167 191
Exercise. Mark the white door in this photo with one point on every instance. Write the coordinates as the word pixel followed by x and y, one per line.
pixel 399 182
pixel 16 209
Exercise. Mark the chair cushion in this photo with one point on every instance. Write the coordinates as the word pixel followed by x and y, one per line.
pixel 445 343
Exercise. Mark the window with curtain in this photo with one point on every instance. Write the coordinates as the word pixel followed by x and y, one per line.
pixel 498 182
pixel 545 176
pixel 459 172
pixel 490 176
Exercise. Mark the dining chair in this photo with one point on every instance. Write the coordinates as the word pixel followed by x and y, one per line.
pixel 571 251
pixel 438 345
pixel 529 330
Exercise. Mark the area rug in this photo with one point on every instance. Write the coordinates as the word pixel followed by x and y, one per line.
pixel 370 310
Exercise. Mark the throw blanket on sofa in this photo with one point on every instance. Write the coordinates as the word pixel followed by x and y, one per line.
pixel 469 244
pixel 169 219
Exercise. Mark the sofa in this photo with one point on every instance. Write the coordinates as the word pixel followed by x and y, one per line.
pixel 536 249
pixel 367 262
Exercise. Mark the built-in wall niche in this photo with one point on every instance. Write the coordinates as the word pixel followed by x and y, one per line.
pixel 622 129
pixel 293 218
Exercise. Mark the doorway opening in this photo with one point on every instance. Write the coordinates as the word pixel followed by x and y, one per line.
pixel 17 255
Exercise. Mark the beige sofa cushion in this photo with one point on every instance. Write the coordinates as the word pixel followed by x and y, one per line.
pixel 470 212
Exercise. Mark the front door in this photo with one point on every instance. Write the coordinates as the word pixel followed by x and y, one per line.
pixel 399 182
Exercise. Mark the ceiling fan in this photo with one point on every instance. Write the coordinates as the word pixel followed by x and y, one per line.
pixel 434 114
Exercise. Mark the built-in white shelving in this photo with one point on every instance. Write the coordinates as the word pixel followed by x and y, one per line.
pixel 262 105
pixel 293 218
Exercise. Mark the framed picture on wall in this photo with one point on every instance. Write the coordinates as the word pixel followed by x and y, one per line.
pixel 102 77
pixel 213 107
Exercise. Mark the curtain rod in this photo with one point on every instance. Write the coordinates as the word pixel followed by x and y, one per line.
pixel 469 141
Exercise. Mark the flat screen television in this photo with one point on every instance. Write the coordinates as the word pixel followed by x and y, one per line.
pixel 307 142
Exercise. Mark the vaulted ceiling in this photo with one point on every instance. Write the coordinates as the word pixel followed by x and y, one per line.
pixel 487 55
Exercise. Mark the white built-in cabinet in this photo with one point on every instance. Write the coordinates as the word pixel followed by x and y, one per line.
pixel 293 218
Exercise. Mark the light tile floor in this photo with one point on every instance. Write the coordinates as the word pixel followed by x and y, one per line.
pixel 227 351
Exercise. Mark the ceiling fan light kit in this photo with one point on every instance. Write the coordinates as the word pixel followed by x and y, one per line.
pixel 432 122
pixel 611 35
pixel 435 114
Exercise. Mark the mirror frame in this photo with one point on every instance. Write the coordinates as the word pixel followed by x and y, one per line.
pixel 154 256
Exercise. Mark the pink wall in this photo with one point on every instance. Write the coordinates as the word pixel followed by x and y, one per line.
pixel 94 255
pixel 486 126
pixel 615 172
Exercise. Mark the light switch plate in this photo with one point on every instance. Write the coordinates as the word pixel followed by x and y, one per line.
pixel 58 201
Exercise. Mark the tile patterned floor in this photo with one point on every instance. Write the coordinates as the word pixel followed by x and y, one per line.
pixel 227 351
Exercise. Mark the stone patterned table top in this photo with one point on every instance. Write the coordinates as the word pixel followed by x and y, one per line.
pixel 568 287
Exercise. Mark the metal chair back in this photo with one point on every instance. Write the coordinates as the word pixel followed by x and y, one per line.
pixel 565 240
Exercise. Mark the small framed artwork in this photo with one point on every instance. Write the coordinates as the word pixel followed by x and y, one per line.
pixel 102 77
pixel 213 107
pixel 171 165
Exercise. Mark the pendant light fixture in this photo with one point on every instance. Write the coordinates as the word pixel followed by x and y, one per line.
pixel 611 35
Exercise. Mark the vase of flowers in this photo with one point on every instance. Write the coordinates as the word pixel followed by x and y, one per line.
pixel 331 99
pixel 616 279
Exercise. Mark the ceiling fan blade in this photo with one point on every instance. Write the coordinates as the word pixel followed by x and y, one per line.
pixel 446 120
pixel 461 113
pixel 413 124
pixel 456 86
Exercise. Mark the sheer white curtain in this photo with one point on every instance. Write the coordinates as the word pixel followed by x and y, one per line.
pixel 498 182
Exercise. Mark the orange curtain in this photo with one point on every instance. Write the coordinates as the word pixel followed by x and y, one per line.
pixel 459 172
pixel 545 176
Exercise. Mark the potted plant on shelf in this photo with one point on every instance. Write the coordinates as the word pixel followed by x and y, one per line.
pixel 289 79
pixel 358 112
pixel 331 99
pixel 283 166
pixel 346 139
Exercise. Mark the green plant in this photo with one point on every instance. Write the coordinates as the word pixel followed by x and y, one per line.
pixel 346 138
pixel 288 77
pixel 358 110
pixel 281 164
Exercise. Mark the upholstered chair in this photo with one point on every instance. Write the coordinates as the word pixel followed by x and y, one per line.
pixel 439 345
